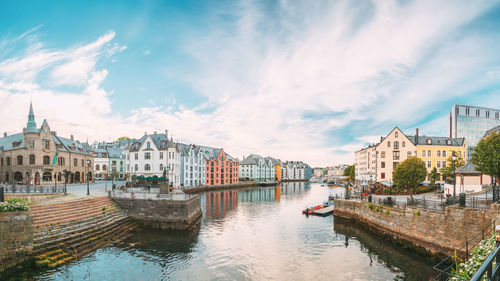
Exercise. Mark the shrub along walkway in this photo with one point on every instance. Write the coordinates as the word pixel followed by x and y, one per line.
pixel 64 231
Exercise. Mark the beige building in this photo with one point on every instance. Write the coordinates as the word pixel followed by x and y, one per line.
pixel 365 164
pixel 40 156
pixel 395 148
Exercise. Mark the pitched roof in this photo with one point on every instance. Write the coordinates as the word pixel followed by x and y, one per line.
pixel 468 168
pixel 69 145
pixel 492 131
pixel 7 143
pixel 424 140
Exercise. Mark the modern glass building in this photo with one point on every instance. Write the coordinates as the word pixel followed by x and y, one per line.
pixel 471 123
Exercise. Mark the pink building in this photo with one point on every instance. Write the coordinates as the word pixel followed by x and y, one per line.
pixel 221 168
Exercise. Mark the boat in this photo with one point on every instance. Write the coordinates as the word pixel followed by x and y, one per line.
pixel 321 209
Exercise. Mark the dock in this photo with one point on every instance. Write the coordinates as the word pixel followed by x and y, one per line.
pixel 324 212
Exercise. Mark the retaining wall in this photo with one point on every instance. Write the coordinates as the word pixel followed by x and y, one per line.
pixel 16 238
pixel 434 231
pixel 163 214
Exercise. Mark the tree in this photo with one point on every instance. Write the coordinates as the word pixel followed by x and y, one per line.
pixel 447 172
pixel 122 138
pixel 409 174
pixel 434 177
pixel 115 174
pixel 350 172
pixel 486 155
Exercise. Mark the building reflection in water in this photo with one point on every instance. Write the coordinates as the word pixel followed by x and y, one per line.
pixel 261 194
pixel 217 203
pixel 288 188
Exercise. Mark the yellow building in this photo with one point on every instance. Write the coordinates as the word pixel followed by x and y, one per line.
pixel 434 151
pixel 277 171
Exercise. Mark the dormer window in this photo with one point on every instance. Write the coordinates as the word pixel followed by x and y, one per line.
pixel 429 141
pixel 448 142
pixel 148 145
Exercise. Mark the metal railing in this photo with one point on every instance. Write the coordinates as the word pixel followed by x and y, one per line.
pixel 116 193
pixel 487 267
pixel 445 266
pixel 27 189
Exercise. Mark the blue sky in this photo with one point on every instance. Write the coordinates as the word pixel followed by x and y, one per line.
pixel 298 80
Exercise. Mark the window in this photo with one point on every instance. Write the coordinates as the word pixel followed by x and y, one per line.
pixel 128 156
pixel 423 153
pixel 429 153
pixel 161 155
pixel 19 160
pixel 487 114
pixel 438 153
pixel 382 154
pixel 136 156
pixel 61 161
pixel 394 164
pixel 97 167
pixel 147 167
pixel 382 175
pixel 47 144
pixel 396 134
pixel 136 167
pixel 496 115
pixel 75 162
pixel 1 161
pixel 104 167
pixel 388 144
pixel 382 164
pixel 477 113
pixel 32 159
pixel 83 163
pixel 8 161
pixel 161 167
pixel 147 155
pixel 396 145
pixel 467 111
pixel 31 143
pixel 429 164
pixel 403 144
pixel 408 154
pixel 395 155
pixel 148 145
pixel 444 153
pixel 444 164
pixel 438 164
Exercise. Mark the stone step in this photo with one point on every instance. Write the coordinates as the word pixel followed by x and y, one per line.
pixel 47 215
pixel 67 218
pixel 52 206
pixel 50 228
pixel 78 228
pixel 71 240
pixel 70 207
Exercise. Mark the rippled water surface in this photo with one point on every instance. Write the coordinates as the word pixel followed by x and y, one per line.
pixel 250 234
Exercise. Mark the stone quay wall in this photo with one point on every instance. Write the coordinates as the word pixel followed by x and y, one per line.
pixel 16 238
pixel 163 214
pixel 429 230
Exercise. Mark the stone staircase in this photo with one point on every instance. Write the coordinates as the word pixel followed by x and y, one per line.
pixel 69 230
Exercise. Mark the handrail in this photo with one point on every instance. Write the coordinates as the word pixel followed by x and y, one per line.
pixel 487 267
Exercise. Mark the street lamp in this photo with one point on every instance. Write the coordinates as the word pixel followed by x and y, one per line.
pixel 65 180
pixel 454 158
pixel 88 172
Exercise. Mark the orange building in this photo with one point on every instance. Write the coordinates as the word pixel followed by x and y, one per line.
pixel 220 168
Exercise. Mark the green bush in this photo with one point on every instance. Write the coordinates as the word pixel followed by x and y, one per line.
pixel 17 200
pixel 14 205
pixel 371 206
pixel 386 191
pixel 417 213
pixel 387 212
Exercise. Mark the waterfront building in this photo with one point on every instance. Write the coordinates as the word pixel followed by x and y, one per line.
pixel 151 155
pixel 434 151
pixel 318 172
pixel 256 168
pixel 116 164
pixel 193 165
pixel 40 156
pixel 471 123
pixel 392 150
pixel 277 168
pixel 221 168
pixel 365 164
pixel 293 170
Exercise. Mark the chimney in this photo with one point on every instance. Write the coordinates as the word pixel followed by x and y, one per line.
pixel 72 138
pixel 416 137
pixel 145 133
pixel 155 132
pixel 166 133
pixel 4 134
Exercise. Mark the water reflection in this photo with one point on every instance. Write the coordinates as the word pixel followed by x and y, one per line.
pixel 216 204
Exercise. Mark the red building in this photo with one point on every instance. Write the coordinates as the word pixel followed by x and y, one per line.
pixel 221 168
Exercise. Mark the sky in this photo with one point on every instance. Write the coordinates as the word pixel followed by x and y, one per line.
pixel 296 80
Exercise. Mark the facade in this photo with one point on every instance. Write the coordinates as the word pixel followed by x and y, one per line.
pixel 392 150
pixel 101 163
pixel 318 172
pixel 471 123
pixel 257 168
pixel 151 155
pixel 277 168
pixel 468 180
pixel 434 151
pixel 39 156
pixel 365 164
pixel 116 162
pixel 193 165
pixel 293 170
pixel 221 168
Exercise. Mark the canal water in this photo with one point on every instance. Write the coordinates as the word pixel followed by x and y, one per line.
pixel 250 234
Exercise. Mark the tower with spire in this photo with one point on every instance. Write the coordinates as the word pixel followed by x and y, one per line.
pixel 31 125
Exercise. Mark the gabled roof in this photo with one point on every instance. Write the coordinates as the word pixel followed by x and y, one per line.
pixel 7 143
pixel 161 142
pixel 69 145
pixel 423 140
pixel 492 131
pixel 467 169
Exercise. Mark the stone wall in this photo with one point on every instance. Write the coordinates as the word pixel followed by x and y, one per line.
pixel 32 198
pixel 163 214
pixel 16 238
pixel 434 231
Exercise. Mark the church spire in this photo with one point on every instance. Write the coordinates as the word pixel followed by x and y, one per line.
pixel 31 126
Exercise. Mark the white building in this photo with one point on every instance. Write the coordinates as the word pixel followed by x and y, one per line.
pixel 152 154
pixel 193 165
pixel 255 167
pixel 293 170
pixel 365 164
pixel 101 163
